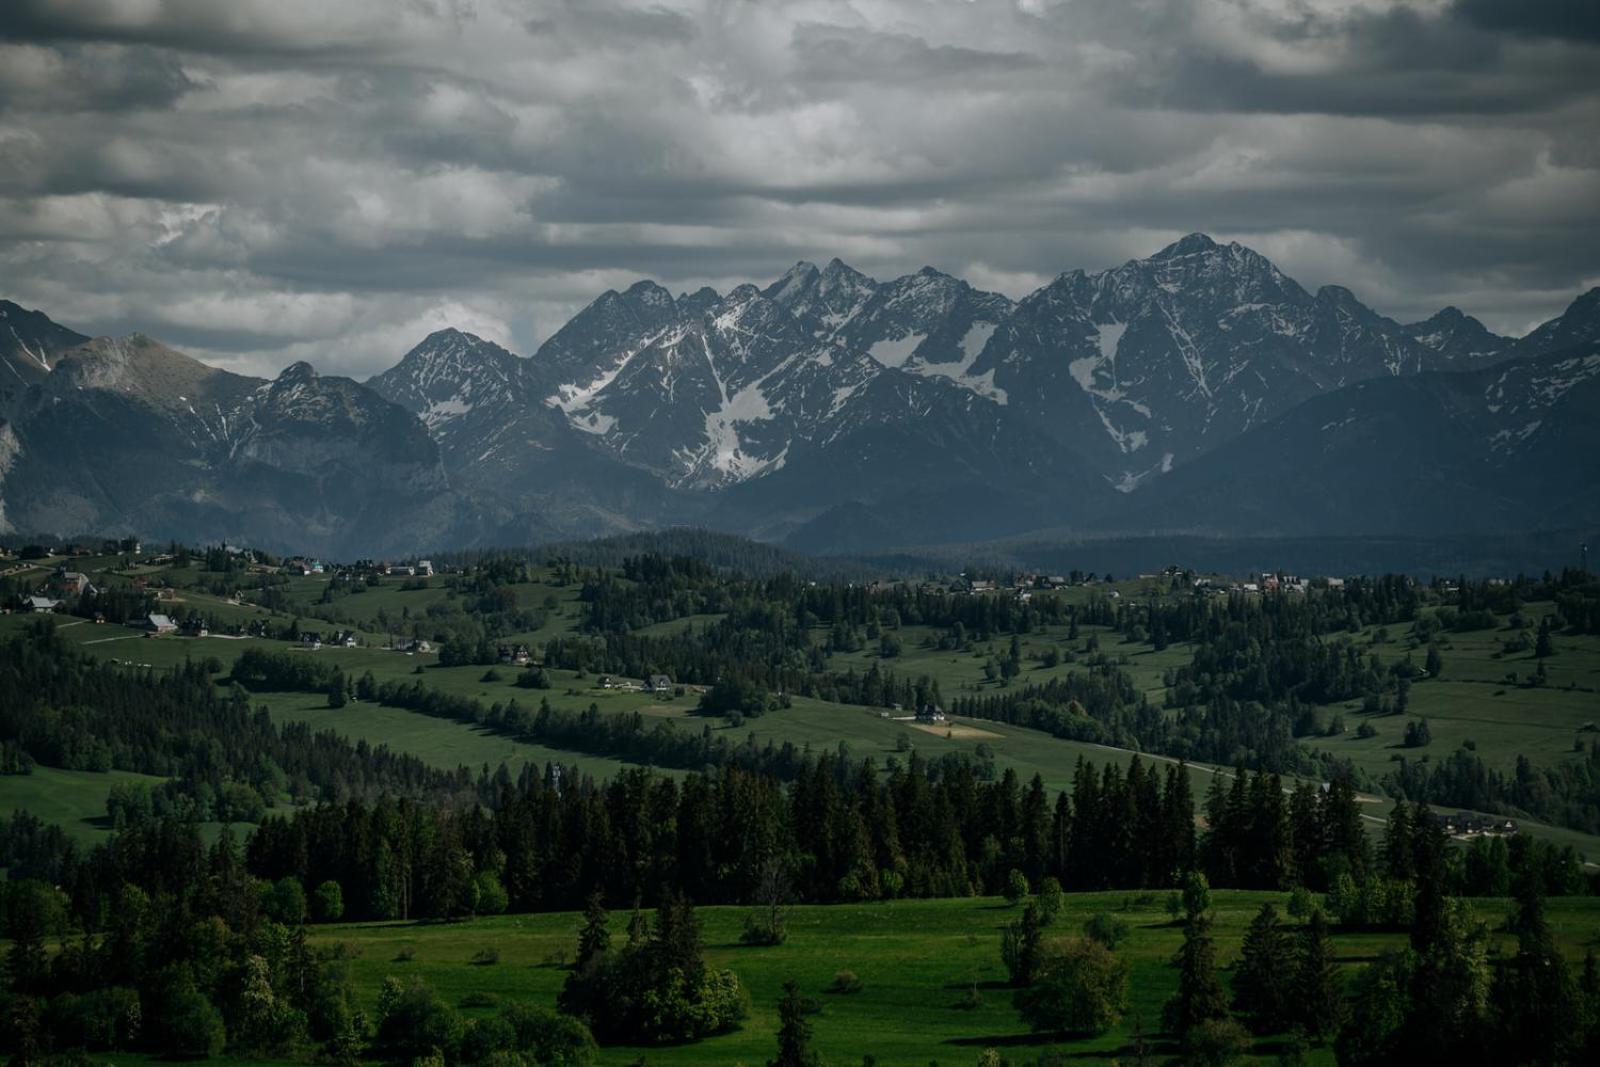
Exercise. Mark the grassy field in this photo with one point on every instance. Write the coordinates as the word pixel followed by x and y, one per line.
pixel 76 800
pixel 440 742
pixel 1476 700
pixel 916 960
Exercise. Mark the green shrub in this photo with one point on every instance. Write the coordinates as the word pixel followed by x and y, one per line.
pixel 845 982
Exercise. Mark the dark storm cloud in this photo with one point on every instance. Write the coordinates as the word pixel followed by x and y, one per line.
pixel 269 180
pixel 1402 61
pixel 1577 20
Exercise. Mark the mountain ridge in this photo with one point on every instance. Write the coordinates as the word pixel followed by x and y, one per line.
pixel 825 407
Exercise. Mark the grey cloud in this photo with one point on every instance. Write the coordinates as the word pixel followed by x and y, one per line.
pixel 268 180
pixel 88 77
pixel 1577 20
pixel 835 54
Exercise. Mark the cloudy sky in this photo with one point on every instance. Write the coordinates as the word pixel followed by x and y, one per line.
pixel 260 181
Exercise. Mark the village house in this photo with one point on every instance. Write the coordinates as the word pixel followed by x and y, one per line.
pixel 195 627
pixel 67 585
pixel 345 639
pixel 39 603
pixel 930 713
pixel 410 644
pixel 311 641
pixel 515 655
pixel 659 683
pixel 424 568
pixel 160 624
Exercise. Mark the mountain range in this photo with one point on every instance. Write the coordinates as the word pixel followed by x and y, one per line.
pixel 1198 390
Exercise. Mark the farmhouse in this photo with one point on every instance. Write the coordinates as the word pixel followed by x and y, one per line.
pixel 930 713
pixel 160 624
pixel 311 641
pixel 65 584
pixel 517 655
pixel 659 683
pixel 195 628
pixel 39 603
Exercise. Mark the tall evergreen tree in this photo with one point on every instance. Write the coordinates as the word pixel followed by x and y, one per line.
pixel 794 1030
pixel 1258 981
pixel 1200 997
pixel 1318 994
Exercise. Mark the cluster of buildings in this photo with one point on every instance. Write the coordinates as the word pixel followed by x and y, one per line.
pixel 656 683
pixel 1267 582
pixel 305 567
pixel 62 586
pixel 312 641
pixel 1470 824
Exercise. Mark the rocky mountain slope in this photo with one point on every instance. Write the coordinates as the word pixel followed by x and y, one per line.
pixel 126 435
pixel 29 344
pixel 1508 448
pixel 1198 389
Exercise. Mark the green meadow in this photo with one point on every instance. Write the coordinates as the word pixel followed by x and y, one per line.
pixel 919 962
pixel 75 800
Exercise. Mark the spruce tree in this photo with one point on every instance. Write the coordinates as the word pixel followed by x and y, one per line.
pixel 1397 861
pixel 794 1032
pixel 1258 985
pixel 1200 997
pixel 1318 998
pixel 595 937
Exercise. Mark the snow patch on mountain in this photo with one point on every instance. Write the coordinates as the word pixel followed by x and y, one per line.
pixel 574 398
pixel 724 449
pixel 1109 337
pixel 893 352
pixel 960 372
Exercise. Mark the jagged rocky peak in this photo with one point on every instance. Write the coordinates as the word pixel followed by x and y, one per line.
pixel 1193 244
pixel 297 373
pixel 1340 297
pixel 798 279
pixel 1574 326
pixel 448 352
pixel 822 301
pixel 697 303
pixel 1460 340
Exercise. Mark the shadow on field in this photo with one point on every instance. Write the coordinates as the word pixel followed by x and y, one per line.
pixel 1130 1050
